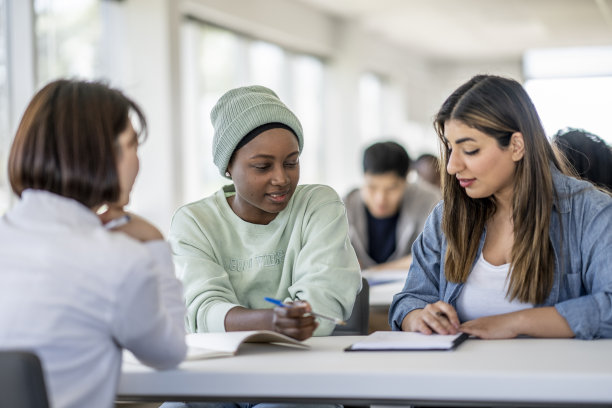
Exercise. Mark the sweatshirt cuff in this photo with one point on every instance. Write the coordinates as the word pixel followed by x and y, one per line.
pixel 215 318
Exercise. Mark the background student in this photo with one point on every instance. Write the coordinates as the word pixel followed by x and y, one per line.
pixel 387 213
pixel 517 247
pixel 264 235
pixel 71 290
pixel 427 167
pixel 588 154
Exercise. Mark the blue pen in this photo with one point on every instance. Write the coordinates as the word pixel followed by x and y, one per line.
pixel 281 304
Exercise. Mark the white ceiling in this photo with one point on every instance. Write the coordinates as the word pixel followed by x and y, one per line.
pixel 478 29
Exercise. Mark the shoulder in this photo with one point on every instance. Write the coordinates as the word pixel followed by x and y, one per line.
pixel 316 194
pixel 316 202
pixel 128 249
pixel 124 259
pixel 433 223
pixel 422 192
pixel 435 217
pixel 198 213
pixel 580 196
pixel 201 206
pixel 353 199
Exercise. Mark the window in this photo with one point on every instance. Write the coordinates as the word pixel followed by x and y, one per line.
pixel 370 107
pixel 571 87
pixel 5 136
pixel 68 34
pixel 216 60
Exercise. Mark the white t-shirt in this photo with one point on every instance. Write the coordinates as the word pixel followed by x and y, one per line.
pixel 484 293
pixel 75 294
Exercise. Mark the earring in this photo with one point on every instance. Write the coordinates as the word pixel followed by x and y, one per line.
pixel 227 174
pixel 103 208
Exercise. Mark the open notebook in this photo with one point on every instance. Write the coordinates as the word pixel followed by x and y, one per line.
pixel 211 345
pixel 404 341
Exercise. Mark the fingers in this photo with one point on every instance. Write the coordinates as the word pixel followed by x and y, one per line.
pixel 286 318
pixel 297 309
pixel 137 227
pixel 300 334
pixel 491 327
pixel 470 328
pixel 439 317
pixel 107 213
pixel 295 321
pixel 448 311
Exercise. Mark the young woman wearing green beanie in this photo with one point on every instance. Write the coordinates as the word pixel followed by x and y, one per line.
pixel 264 235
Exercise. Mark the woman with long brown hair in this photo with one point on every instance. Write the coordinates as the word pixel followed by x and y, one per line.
pixel 517 247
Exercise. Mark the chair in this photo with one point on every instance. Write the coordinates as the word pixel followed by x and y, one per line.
pixel 22 382
pixel 357 324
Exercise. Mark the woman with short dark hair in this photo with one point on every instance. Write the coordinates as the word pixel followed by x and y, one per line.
pixel 588 154
pixel 77 287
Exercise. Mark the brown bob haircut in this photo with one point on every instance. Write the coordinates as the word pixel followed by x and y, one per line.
pixel 67 143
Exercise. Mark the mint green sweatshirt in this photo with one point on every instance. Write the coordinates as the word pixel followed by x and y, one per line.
pixel 303 254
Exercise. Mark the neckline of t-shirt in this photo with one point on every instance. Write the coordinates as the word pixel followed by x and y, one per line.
pixel 491 266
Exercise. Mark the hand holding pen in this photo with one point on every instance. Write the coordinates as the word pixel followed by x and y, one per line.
pixel 293 319
pixel 439 317
pixel 277 302
pixel 301 309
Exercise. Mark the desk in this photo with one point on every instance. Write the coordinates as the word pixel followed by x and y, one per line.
pixel 383 286
pixel 519 371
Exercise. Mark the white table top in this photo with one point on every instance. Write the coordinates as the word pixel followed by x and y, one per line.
pixel 503 371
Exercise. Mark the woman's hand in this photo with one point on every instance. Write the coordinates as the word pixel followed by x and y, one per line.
pixel 136 227
pixel 534 322
pixel 501 326
pixel 294 321
pixel 439 317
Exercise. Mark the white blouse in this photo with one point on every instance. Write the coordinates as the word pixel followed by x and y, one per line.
pixel 484 293
pixel 76 293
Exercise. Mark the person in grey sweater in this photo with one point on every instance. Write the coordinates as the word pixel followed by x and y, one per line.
pixel 387 213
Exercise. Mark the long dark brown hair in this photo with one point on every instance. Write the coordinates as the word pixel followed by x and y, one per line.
pixel 67 144
pixel 500 107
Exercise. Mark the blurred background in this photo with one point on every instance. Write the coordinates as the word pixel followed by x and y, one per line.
pixel 354 71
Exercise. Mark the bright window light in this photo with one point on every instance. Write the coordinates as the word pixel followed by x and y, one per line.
pixel 267 64
pixel 370 107
pixel 307 74
pixel 216 60
pixel 583 103
pixel 572 88
pixel 68 39
pixel 5 138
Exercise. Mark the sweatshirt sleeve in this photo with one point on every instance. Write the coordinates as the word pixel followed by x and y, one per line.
pixel 590 316
pixel 209 294
pixel 149 317
pixel 326 272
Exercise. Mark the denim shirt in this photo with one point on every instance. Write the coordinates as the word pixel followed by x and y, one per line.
pixel 581 236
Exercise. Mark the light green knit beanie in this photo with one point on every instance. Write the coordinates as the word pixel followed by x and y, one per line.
pixel 242 110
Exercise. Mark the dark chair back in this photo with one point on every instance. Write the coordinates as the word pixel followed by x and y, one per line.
pixel 357 324
pixel 22 383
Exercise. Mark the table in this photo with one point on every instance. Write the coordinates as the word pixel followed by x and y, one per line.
pixel 383 286
pixel 556 372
